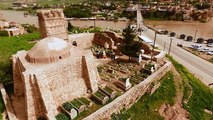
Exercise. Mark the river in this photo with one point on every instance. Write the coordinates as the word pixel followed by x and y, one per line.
pixel 204 30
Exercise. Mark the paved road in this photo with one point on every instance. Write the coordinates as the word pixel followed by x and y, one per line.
pixel 201 68
pixel 196 65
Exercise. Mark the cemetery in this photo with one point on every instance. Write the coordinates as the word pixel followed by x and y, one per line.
pixel 64 77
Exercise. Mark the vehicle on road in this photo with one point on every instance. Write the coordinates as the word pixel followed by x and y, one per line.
pixel 210 45
pixel 179 44
pixel 189 38
pixel 203 50
pixel 200 40
pixel 209 53
pixel 196 46
pixel 172 34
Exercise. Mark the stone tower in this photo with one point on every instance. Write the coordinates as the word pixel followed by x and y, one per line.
pixel 52 23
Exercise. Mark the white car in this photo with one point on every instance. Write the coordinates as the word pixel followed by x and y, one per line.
pixel 210 53
pixel 210 45
pixel 196 46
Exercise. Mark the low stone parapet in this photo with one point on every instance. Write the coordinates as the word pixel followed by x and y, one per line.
pixel 130 97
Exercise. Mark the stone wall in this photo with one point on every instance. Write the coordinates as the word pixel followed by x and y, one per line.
pixel 7 103
pixel 52 23
pixel 101 39
pixel 83 40
pixel 114 36
pixel 130 97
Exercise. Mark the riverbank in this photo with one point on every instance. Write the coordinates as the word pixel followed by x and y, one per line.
pixel 204 30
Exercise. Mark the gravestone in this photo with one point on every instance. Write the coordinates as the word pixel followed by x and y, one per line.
pixel 73 113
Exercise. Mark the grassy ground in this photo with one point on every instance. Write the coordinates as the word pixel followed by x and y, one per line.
pixel 202 96
pixel 147 106
pixel 8 47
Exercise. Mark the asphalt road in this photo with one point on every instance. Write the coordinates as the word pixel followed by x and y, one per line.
pixel 196 65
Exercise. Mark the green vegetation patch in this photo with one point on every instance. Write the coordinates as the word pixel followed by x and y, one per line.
pixel 67 106
pixel 62 116
pixel 76 103
pixel 87 112
pixel 8 47
pixel 108 89
pixel 147 106
pixel 202 96
pixel 100 95
pixel 84 100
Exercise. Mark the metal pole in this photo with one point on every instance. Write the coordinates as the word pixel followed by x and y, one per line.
pixel 153 47
pixel 170 45
pixel 195 34
pixel 164 47
pixel 94 22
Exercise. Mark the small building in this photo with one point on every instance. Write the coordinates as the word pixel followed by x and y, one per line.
pixel 4 24
pixel 14 31
pixel 51 73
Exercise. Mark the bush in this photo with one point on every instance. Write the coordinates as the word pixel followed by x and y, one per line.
pixel 30 28
pixel 3 33
pixel 77 12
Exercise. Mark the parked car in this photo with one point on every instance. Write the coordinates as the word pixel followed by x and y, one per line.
pixel 189 38
pixel 210 53
pixel 172 34
pixel 179 44
pixel 182 36
pixel 204 50
pixel 200 40
pixel 210 41
pixel 196 46
pixel 210 45
pixel 166 32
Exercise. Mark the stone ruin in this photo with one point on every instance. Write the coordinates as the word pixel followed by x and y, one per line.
pixel 53 71
pixel 52 23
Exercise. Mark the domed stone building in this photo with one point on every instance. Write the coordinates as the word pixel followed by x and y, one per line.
pixel 51 73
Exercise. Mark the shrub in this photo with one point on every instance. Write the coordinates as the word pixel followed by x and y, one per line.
pixel 3 33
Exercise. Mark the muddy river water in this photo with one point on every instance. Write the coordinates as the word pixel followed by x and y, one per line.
pixel 204 30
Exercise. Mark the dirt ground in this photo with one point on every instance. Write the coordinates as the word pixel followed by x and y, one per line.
pixel 176 112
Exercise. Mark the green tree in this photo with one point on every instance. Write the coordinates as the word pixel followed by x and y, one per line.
pixel 70 27
pixel 129 34
pixel 130 47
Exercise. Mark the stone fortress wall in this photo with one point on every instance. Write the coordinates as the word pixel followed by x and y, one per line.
pixel 83 40
pixel 52 23
pixel 130 97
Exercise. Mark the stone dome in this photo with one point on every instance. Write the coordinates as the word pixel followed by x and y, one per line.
pixel 48 50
